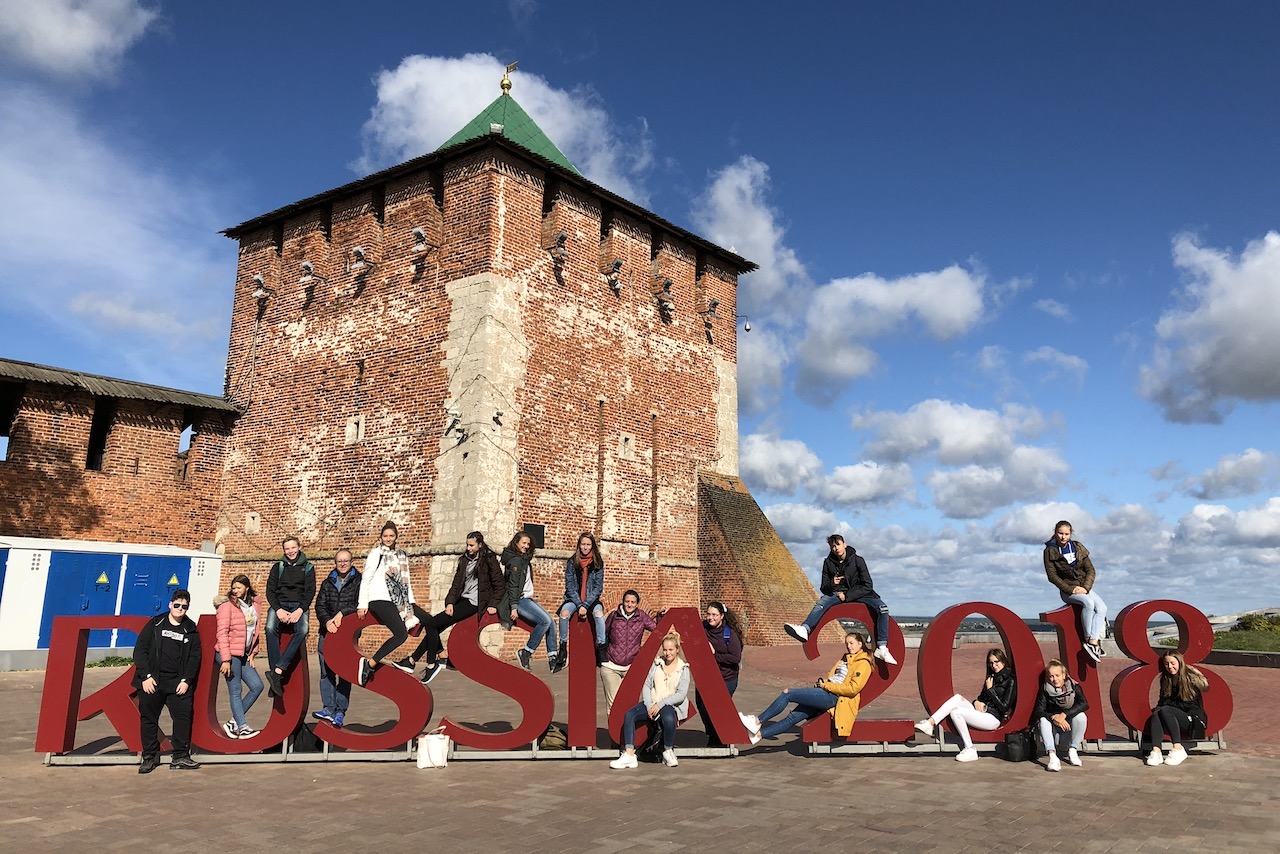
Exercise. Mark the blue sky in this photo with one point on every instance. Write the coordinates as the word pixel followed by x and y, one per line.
pixel 1019 262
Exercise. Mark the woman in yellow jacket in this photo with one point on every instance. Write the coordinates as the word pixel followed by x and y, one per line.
pixel 836 694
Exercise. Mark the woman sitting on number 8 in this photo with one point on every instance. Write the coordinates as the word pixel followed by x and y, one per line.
pixel 836 694
pixel 1180 710
pixel 991 709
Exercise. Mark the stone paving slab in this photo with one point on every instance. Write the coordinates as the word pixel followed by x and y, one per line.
pixel 771 797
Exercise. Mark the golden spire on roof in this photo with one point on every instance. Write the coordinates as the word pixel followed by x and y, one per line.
pixel 506 78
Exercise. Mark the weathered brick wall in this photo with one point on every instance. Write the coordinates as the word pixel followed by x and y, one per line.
pixel 144 493
pixel 499 385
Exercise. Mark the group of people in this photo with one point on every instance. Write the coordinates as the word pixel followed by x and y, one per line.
pixel 167 655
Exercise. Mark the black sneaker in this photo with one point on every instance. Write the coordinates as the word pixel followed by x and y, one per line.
pixel 149 764
pixel 275 685
pixel 446 664
pixel 186 763
pixel 524 657
pixel 432 671
pixel 366 672
pixel 1091 651
pixel 403 664
pixel 1102 650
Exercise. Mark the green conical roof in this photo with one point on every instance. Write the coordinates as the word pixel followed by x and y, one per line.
pixel 516 126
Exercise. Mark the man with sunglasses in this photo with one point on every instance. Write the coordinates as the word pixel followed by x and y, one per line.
pixel 166 659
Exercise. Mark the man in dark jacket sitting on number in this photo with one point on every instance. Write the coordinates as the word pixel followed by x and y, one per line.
pixel 845 578
pixel 291 587
pixel 166 659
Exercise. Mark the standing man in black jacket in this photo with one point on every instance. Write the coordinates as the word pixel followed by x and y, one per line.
pixel 291 587
pixel 338 599
pixel 166 660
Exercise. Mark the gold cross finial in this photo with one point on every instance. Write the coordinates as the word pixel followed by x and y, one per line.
pixel 506 78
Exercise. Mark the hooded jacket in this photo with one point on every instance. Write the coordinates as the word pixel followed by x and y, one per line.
pixel 849 692
pixel 337 596
pixel 233 632
pixel 856 582
pixel 518 567
pixel 491 586
pixel 291 581
pixel 1067 576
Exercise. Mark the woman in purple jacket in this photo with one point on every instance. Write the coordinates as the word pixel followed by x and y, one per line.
pixel 624 629
pixel 726 643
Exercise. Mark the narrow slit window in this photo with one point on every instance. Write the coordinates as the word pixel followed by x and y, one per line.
pixel 104 414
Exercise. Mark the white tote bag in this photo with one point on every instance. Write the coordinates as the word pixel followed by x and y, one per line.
pixel 433 749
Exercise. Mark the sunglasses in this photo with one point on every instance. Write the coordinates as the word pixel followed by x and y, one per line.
pixel 179 605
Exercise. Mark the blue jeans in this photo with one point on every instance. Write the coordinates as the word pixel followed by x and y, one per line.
pixel 568 609
pixel 877 606
pixel 1093 612
pixel 335 692
pixel 1048 732
pixel 242 674
pixel 637 713
pixel 543 625
pixel 297 635
pixel 810 702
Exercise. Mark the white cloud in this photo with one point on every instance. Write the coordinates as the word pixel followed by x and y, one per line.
pixel 864 483
pixel 845 314
pixel 1033 524
pixel 801 523
pixel 1059 363
pixel 734 212
pixel 776 465
pixel 1223 345
pixel 972 492
pixel 762 356
pixel 72 38
pixel 115 251
pixel 955 432
pixel 1216 525
pixel 1247 473
pixel 427 99
pixel 991 359
pixel 1053 308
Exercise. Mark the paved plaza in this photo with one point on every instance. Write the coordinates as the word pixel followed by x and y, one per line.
pixel 772 797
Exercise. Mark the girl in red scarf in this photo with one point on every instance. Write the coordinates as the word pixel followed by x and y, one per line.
pixel 583 587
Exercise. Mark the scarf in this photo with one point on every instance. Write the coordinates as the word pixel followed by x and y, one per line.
pixel 1063 698
pixel 585 564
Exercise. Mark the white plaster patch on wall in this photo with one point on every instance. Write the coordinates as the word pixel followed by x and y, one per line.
pixel 486 361
pixel 726 400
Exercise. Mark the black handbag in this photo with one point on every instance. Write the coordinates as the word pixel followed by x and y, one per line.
pixel 651 750
pixel 1020 745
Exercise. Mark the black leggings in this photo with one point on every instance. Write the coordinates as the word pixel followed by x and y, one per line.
pixel 1172 720
pixel 431 629
pixel 389 616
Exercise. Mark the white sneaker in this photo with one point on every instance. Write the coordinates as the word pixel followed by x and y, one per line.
pixel 752 723
pixel 669 758
pixel 1054 764
pixel 625 760
pixel 882 653
pixel 969 754
pixel 1073 756
pixel 799 631
pixel 231 729
pixel 925 726
pixel 1155 757
pixel 1176 756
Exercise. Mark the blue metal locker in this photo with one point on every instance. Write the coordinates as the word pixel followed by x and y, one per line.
pixel 80 584
pixel 149 583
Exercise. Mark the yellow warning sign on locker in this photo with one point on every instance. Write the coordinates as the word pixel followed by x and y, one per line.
pixel 102 579
pixel 173 580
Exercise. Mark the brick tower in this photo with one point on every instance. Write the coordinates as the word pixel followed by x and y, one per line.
pixel 482 339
